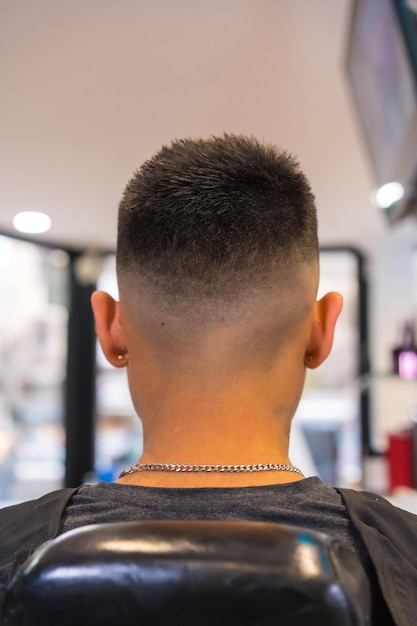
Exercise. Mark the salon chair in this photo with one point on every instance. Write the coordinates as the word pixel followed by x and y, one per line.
pixel 190 573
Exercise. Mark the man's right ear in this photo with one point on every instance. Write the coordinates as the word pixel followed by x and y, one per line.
pixel 109 331
pixel 326 312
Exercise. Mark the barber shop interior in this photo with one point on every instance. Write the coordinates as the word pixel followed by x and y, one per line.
pixel 90 90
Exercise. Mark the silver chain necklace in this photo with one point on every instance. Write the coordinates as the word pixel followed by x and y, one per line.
pixel 173 467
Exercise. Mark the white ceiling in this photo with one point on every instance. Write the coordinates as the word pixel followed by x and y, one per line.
pixel 90 88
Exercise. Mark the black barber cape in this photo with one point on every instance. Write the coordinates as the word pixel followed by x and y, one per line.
pixel 389 534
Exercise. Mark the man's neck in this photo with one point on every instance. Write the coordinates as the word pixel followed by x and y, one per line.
pixel 215 439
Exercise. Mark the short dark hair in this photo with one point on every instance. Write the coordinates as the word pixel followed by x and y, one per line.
pixel 209 218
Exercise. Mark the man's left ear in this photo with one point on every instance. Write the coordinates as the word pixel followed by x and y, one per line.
pixel 109 331
pixel 326 312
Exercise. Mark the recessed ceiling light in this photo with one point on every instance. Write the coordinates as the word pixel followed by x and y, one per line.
pixel 32 222
pixel 387 194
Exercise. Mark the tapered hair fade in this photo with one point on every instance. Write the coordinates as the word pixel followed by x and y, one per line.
pixel 210 218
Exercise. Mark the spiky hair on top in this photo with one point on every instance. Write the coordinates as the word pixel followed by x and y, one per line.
pixel 205 218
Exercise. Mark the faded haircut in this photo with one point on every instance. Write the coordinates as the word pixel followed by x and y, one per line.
pixel 212 219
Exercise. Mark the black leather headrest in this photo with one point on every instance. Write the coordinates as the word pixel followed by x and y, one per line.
pixel 190 574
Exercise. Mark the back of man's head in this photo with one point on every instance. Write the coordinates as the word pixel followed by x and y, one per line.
pixel 210 221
